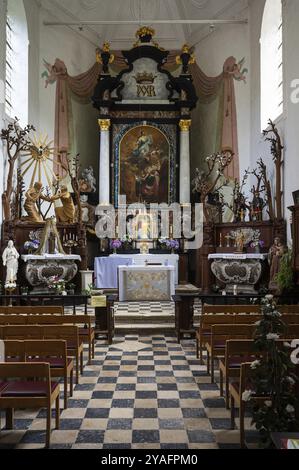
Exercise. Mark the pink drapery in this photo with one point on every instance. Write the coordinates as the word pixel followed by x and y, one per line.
pixel 82 86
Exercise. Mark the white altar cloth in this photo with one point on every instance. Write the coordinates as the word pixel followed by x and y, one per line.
pixel 58 256
pixel 240 256
pixel 150 283
pixel 106 268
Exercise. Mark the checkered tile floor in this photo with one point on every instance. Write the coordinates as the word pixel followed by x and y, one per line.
pixel 143 392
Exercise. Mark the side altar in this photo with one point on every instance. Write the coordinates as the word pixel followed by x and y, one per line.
pixel 238 269
pixel 40 269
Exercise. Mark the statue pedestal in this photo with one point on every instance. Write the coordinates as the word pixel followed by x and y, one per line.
pixel 39 269
pixel 86 279
pixel 242 270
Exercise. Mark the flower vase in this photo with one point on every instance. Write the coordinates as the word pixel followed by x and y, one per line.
pixel 114 251
pixel 257 249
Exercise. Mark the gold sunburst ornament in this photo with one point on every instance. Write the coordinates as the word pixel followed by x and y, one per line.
pixel 39 160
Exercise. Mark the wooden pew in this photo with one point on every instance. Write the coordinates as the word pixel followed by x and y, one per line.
pixel 50 351
pixel 54 351
pixel 207 321
pixel 19 391
pixel 237 351
pixel 215 344
pixel 32 310
pixel 84 322
pixel 221 310
pixel 69 333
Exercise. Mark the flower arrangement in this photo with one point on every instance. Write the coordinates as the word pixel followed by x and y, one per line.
pixel 169 244
pixel 33 243
pixel 115 244
pixel 257 244
pixel 273 376
pixel 10 285
pixel 55 283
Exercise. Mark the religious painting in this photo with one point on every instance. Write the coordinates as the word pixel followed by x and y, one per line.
pixel 144 165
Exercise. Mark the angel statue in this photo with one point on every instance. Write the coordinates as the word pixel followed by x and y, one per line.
pixel 10 260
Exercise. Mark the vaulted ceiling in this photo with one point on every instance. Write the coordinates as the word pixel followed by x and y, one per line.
pixel 143 11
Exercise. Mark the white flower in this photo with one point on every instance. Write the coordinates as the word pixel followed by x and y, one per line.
pixel 290 380
pixel 268 403
pixel 269 297
pixel 247 395
pixel 255 364
pixel 272 336
pixel 290 409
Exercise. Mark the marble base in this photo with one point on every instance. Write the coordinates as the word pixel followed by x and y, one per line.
pixel 86 279
pixel 245 274
pixel 39 270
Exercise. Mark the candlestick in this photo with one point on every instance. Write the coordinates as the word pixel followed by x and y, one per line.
pixel 220 241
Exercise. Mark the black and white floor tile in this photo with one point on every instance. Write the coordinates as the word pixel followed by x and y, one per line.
pixel 143 392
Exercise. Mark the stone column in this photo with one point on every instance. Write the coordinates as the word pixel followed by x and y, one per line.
pixel 104 176
pixel 185 161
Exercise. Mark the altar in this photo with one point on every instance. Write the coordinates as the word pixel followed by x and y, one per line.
pixel 146 283
pixel 41 268
pixel 106 268
pixel 238 269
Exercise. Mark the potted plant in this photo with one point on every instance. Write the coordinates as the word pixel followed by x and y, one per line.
pixel 57 284
pixel 24 290
pixel 273 375
pixel 285 275
pixel 71 289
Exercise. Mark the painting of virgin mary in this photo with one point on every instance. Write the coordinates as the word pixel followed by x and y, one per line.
pixel 144 165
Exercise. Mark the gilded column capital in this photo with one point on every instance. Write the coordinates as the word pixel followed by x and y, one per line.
pixel 185 125
pixel 104 124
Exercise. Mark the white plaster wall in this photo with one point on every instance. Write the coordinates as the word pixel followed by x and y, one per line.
pixel 78 55
pixel 211 54
pixel 288 123
pixel 32 10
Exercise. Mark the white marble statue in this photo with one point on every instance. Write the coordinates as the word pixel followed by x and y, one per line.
pixel 10 259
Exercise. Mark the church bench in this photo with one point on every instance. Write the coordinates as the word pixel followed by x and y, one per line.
pixel 290 309
pixel 237 351
pixel 23 393
pixel 84 322
pixel 222 310
pixel 215 343
pixel 33 310
pixel 241 311
pixel 206 321
pixel 241 350
pixel 69 333
pixel 54 351
pixel 50 351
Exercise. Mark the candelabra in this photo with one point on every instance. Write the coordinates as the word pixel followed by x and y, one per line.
pixel 70 241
